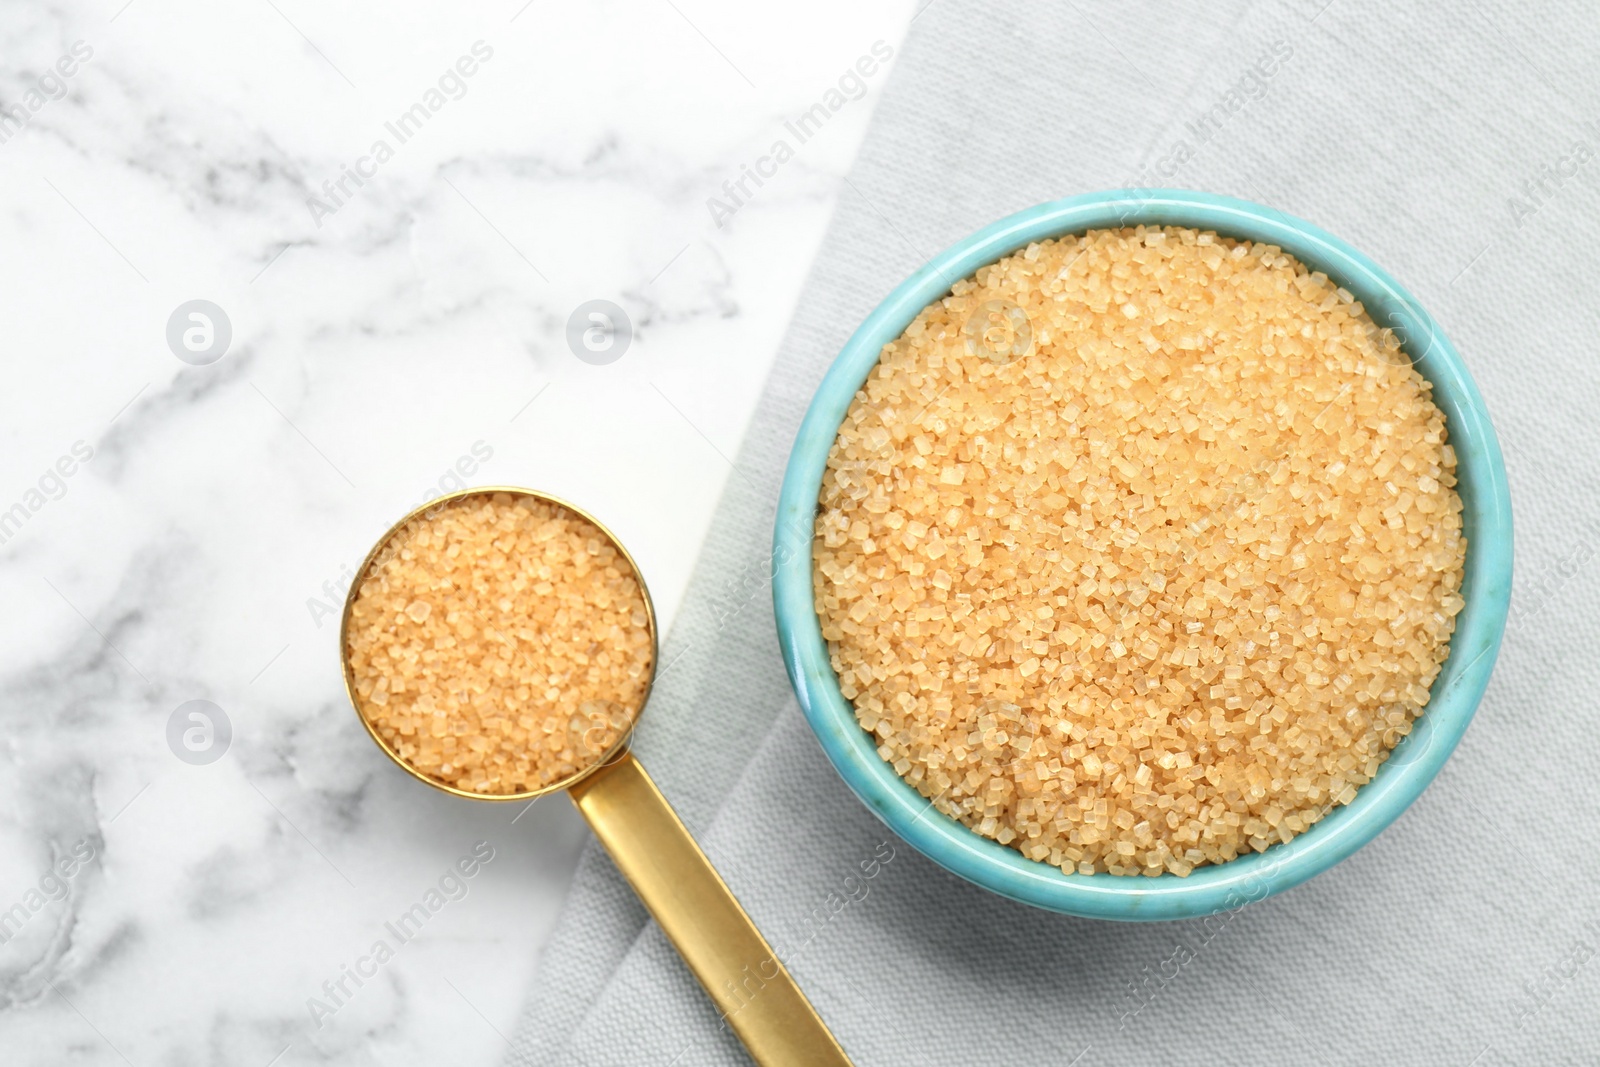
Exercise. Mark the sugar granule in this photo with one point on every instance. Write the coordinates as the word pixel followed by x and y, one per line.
pixel 499 644
pixel 1140 550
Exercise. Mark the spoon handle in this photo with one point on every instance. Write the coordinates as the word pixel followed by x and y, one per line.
pixel 752 989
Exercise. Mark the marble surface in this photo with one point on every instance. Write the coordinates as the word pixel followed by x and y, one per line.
pixel 176 528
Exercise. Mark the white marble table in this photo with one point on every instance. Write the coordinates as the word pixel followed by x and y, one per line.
pixel 180 529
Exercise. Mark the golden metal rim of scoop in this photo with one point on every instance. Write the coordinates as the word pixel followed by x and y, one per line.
pixel 610 754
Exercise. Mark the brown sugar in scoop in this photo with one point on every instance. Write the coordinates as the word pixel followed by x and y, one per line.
pixel 499 644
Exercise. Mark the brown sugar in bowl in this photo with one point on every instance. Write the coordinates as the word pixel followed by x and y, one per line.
pixel 1397 780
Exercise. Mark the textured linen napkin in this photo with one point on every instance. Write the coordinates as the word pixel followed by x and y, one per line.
pixel 1453 144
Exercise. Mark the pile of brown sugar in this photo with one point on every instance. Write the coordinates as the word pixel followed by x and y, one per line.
pixel 1140 550
pixel 499 643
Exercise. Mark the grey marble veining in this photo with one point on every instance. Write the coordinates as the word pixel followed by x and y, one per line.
pixel 174 529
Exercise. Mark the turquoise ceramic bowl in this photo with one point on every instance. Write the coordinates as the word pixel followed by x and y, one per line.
pixel 1413 764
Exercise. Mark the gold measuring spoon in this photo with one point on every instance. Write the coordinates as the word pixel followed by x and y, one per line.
pixel 650 845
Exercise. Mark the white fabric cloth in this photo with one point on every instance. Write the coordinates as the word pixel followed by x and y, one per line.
pixel 1465 930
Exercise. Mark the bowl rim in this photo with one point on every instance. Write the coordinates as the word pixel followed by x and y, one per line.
pixel 1455 694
